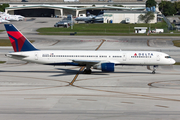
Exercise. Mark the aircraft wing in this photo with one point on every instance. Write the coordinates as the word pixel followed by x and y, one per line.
pixel 85 62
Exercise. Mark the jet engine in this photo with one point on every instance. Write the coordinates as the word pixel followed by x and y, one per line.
pixel 105 67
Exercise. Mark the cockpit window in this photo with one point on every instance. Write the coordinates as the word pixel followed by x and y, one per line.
pixel 167 57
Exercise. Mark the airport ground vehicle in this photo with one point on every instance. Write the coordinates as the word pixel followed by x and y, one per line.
pixel 63 23
pixel 66 22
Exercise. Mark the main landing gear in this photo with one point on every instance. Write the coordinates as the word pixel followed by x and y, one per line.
pixel 87 70
pixel 154 69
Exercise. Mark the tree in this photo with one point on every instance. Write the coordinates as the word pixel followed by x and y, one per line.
pixel 3 6
pixel 167 8
pixel 151 3
pixel 177 6
pixel 147 17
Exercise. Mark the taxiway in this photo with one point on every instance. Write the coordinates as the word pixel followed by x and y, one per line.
pixel 32 91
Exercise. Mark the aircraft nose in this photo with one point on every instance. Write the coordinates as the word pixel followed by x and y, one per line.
pixel 173 61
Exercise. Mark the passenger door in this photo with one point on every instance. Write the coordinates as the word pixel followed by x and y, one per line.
pixel 124 57
pixel 36 56
pixel 158 57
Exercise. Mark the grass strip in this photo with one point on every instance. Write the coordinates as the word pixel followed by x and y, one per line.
pixel 177 63
pixel 1 62
pixel 107 29
pixel 6 42
pixel 176 43
pixel 106 34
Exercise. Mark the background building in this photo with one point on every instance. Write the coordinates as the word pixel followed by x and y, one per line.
pixel 123 16
pixel 50 8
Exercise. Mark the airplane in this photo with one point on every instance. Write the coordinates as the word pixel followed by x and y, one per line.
pixel 99 18
pixel 9 17
pixel 13 17
pixel 96 19
pixel 84 18
pixel 4 21
pixel 101 60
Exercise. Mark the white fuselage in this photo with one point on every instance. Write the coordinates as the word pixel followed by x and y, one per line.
pixel 12 17
pixel 116 57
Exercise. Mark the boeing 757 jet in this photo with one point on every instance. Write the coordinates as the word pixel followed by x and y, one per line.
pixel 101 60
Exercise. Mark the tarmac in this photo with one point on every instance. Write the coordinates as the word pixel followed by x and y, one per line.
pixel 32 91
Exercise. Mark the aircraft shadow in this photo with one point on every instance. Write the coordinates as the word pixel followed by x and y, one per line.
pixel 66 72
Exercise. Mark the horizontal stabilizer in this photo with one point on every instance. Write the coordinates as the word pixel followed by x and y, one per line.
pixel 15 55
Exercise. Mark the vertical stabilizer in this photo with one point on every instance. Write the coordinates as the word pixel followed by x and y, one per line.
pixel 18 40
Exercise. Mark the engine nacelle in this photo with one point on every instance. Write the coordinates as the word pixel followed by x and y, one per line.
pixel 105 67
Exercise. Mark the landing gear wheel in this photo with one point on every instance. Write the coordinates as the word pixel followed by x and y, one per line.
pixel 87 71
pixel 153 72
pixel 154 69
pixel 91 21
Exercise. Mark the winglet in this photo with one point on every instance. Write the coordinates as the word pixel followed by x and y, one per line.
pixel 18 40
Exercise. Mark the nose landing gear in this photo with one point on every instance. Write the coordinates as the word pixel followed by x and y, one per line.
pixel 154 69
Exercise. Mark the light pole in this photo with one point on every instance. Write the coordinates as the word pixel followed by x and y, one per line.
pixel 71 22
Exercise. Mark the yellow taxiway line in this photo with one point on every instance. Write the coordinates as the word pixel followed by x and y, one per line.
pixel 82 68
